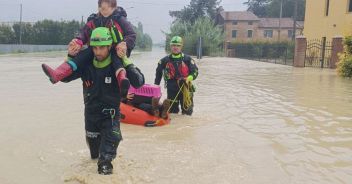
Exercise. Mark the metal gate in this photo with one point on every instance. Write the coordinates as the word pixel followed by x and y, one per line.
pixel 318 53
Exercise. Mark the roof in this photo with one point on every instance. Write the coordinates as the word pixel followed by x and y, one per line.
pixel 274 23
pixel 239 15
pixel 263 22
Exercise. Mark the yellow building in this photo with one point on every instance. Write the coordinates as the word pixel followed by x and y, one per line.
pixel 327 18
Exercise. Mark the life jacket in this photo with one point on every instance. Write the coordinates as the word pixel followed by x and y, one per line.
pixel 182 71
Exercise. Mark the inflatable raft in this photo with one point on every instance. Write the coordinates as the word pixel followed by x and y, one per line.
pixel 133 115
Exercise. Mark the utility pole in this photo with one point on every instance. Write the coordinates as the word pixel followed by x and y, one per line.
pixel 199 49
pixel 294 20
pixel 280 21
pixel 20 23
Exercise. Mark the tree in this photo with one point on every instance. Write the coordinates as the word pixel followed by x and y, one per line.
pixel 69 30
pixel 197 20
pixel 196 9
pixel 7 36
pixel 27 32
pixel 49 32
pixel 212 36
pixel 258 7
pixel 143 41
pixel 271 8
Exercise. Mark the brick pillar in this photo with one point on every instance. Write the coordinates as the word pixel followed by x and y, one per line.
pixel 300 51
pixel 337 48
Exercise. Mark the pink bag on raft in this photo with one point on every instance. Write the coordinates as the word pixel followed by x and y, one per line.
pixel 148 90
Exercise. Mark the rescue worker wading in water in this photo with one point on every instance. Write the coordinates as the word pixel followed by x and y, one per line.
pixel 178 69
pixel 101 100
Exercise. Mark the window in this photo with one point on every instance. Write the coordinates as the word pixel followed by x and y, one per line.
pixel 350 6
pixel 234 22
pixel 234 33
pixel 327 7
pixel 250 33
pixel 290 33
pixel 250 23
pixel 268 33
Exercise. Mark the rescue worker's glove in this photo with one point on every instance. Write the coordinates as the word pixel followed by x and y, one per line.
pixel 188 80
pixel 185 81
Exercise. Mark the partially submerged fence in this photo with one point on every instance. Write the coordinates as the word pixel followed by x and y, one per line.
pixel 279 53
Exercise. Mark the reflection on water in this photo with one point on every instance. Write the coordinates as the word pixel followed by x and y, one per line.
pixel 253 123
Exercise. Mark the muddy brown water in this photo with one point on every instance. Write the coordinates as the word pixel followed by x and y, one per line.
pixel 254 123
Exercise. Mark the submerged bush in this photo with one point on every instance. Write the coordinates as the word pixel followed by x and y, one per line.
pixel 344 67
pixel 348 44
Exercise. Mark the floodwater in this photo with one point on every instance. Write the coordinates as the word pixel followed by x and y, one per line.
pixel 254 123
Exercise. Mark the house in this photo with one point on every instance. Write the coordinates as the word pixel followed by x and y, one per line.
pixel 327 18
pixel 244 26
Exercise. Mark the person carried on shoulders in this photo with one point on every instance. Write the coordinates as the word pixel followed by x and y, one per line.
pixel 124 37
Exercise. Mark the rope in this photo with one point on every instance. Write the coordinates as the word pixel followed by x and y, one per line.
pixel 187 96
pixel 173 101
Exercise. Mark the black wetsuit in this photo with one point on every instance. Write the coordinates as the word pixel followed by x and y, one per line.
pixel 102 113
pixel 175 69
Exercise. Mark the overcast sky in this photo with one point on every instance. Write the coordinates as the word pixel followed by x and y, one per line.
pixel 152 13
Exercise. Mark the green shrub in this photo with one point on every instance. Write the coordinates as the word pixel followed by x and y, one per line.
pixel 348 44
pixel 212 36
pixel 344 67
